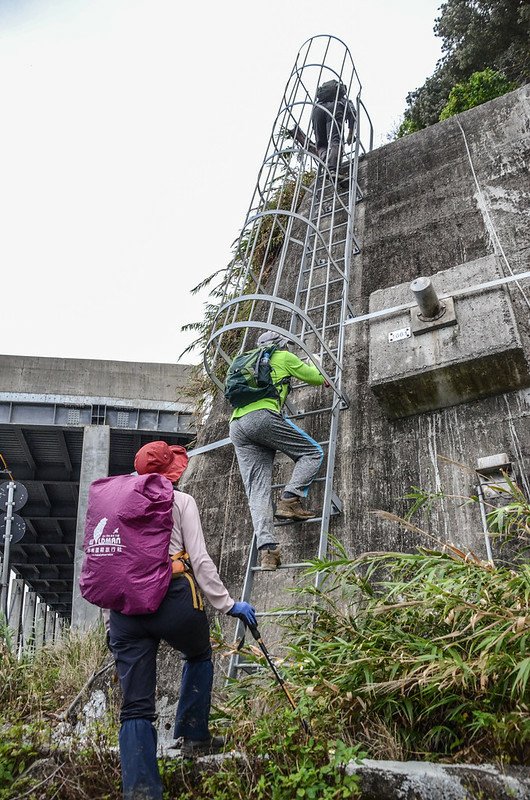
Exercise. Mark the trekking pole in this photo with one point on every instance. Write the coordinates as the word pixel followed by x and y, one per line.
pixel 257 636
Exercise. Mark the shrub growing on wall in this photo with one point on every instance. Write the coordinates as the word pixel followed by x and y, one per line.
pixel 479 88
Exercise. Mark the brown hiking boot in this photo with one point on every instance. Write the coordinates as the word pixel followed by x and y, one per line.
pixel 270 559
pixel 291 508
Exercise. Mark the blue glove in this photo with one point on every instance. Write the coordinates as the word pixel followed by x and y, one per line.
pixel 245 612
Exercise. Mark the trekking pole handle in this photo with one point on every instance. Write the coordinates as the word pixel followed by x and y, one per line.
pixel 254 631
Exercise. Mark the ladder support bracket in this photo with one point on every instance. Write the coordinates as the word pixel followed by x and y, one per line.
pixel 336 503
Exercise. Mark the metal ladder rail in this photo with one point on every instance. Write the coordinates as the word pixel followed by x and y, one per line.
pixel 306 288
pixel 328 199
pixel 239 273
pixel 333 435
pixel 309 286
pixel 288 100
pixel 329 495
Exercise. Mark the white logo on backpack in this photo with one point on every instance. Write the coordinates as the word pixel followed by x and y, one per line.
pixel 101 545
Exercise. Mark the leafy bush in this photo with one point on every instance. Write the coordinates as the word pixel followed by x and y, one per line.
pixel 479 88
pixel 430 646
pixel 18 748
pixel 407 126
pixel 280 763
pixel 476 36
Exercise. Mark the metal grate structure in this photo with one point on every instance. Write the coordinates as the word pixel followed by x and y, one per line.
pixel 291 268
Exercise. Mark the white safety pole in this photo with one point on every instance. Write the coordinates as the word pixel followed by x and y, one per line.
pixel 7 544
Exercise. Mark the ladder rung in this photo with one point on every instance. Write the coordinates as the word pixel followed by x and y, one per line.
pixel 322 330
pixel 303 386
pixel 247 665
pixel 311 413
pixel 321 285
pixel 301 565
pixel 311 520
pixel 282 485
pixel 323 305
pixel 337 210
pixel 325 246
pixel 323 266
pixel 282 523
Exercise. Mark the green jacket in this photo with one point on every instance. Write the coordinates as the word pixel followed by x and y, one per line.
pixel 283 364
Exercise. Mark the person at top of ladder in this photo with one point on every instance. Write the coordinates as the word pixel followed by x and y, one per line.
pixel 180 621
pixel 332 107
pixel 258 429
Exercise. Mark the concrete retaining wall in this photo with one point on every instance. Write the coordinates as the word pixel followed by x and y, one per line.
pixel 422 214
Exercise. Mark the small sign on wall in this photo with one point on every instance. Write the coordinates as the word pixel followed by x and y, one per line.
pixel 397 336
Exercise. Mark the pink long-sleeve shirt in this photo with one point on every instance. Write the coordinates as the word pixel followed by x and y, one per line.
pixel 187 535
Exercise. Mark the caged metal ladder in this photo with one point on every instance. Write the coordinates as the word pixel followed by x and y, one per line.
pixel 291 270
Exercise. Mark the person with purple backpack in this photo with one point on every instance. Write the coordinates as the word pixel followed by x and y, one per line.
pixel 179 619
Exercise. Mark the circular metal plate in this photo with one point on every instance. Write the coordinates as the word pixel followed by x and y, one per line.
pixel 18 528
pixel 20 496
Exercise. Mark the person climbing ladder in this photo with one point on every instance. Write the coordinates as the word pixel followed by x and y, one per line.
pixel 258 430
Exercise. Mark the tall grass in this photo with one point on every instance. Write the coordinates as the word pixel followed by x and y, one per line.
pixel 48 680
pixel 414 655
pixel 429 647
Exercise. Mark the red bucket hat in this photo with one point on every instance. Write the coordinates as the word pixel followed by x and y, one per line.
pixel 169 460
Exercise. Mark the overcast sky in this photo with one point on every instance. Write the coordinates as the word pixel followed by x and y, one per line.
pixel 131 136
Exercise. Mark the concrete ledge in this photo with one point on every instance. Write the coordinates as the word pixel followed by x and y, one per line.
pixel 480 356
pixel 421 780
pixel 80 376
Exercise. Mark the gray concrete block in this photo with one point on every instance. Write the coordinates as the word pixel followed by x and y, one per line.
pixel 423 780
pixel 480 356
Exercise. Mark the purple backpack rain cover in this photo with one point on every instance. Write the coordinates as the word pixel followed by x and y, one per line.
pixel 127 531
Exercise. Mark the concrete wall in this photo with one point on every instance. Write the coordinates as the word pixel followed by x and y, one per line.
pixel 422 214
pixel 94 378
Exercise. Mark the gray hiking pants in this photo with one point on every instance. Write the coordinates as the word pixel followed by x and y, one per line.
pixel 256 437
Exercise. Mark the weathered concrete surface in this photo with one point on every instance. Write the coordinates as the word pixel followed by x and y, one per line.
pixel 421 215
pixel 411 780
pixel 481 355
pixel 97 378
pixel 420 780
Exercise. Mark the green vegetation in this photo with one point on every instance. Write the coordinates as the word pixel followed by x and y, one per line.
pixel 417 655
pixel 477 35
pixel 18 748
pixel 478 89
pixel 278 762
pixel 420 655
pixel 427 659
pixel 46 682
pixel 37 712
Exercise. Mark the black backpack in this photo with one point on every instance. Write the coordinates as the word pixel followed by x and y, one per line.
pixel 328 91
pixel 249 377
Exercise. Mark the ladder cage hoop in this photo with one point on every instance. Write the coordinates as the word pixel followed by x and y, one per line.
pixel 291 263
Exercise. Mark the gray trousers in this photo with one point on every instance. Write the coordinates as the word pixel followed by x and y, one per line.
pixel 256 438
